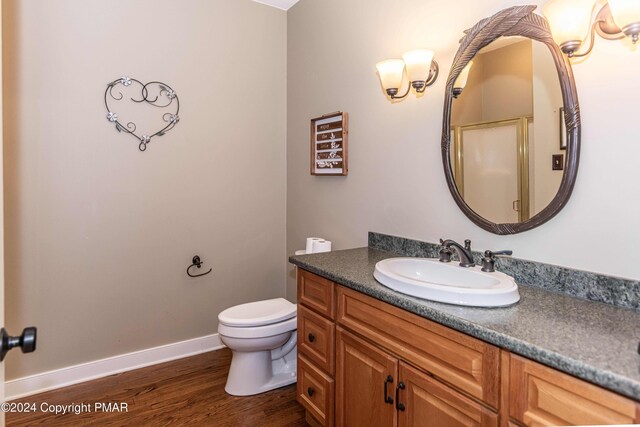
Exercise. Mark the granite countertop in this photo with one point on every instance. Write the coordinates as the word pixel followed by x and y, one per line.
pixel 594 341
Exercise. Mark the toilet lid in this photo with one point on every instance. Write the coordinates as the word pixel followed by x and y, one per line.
pixel 258 313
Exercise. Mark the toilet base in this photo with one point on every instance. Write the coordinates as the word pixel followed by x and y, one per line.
pixel 255 372
pixel 275 382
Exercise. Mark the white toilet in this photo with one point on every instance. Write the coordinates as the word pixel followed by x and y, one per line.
pixel 262 337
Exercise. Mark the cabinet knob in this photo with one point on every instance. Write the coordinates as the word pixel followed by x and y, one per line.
pixel 310 391
pixel 311 337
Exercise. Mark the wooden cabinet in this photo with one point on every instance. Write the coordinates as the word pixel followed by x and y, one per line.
pixel 317 293
pixel 366 379
pixel 316 339
pixel 542 396
pixel 315 389
pixel 424 401
pixel 363 362
pixel 468 364
pixel 374 388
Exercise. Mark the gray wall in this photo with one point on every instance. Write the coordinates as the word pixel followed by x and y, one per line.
pixel 396 184
pixel 98 235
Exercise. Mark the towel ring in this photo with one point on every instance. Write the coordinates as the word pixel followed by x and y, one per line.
pixel 197 262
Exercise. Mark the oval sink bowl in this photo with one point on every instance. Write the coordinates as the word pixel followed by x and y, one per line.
pixel 447 282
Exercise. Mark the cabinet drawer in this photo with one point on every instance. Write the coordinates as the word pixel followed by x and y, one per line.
pixel 315 391
pixel 542 396
pixel 316 293
pixel 316 339
pixel 464 362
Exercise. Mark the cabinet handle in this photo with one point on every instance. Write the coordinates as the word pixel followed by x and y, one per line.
pixel 310 391
pixel 311 337
pixel 399 406
pixel 388 399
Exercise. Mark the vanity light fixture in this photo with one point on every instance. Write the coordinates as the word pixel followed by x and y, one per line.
pixel 570 20
pixel 461 81
pixel 422 71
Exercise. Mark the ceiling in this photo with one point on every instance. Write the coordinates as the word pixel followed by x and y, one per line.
pixel 280 4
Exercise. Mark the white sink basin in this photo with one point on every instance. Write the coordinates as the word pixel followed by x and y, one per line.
pixel 447 282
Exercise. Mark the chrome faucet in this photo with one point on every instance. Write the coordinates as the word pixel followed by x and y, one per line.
pixel 464 253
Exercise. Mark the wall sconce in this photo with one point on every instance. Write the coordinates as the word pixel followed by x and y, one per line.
pixel 570 20
pixel 461 81
pixel 422 71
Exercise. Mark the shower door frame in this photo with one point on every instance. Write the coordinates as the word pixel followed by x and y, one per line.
pixel 522 141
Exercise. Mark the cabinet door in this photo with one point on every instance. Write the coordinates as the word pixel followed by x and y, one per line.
pixel 542 396
pixel 366 378
pixel 424 401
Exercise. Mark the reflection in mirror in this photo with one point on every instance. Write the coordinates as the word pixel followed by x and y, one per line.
pixel 506 122
pixel 505 128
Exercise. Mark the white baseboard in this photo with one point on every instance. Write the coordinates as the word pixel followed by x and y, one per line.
pixel 45 381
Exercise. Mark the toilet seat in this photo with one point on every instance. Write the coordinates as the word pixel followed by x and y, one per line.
pixel 258 331
pixel 259 313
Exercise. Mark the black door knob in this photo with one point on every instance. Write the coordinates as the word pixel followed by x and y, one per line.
pixel 311 337
pixel 26 341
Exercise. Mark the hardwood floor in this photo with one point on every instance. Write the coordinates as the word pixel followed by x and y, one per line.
pixel 185 391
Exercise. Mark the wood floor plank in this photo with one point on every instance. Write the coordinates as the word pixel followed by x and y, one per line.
pixel 188 391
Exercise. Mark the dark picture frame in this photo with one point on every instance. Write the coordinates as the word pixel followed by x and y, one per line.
pixel 330 144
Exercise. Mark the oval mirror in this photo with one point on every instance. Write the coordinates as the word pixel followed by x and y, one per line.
pixel 511 128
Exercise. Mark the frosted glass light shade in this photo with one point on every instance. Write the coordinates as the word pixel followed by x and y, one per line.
pixel 569 19
pixel 390 72
pixel 418 64
pixel 461 81
pixel 625 12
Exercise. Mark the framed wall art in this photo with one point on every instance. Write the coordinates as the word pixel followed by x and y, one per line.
pixel 329 144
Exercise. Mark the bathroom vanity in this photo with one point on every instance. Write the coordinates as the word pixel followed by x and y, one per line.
pixel 565 354
pixel 370 356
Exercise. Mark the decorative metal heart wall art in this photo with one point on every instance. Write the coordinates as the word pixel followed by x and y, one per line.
pixel 133 98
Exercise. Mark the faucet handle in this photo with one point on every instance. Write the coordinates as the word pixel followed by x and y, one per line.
pixel 467 244
pixel 489 260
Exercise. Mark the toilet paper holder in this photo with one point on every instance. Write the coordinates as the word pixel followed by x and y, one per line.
pixel 197 262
